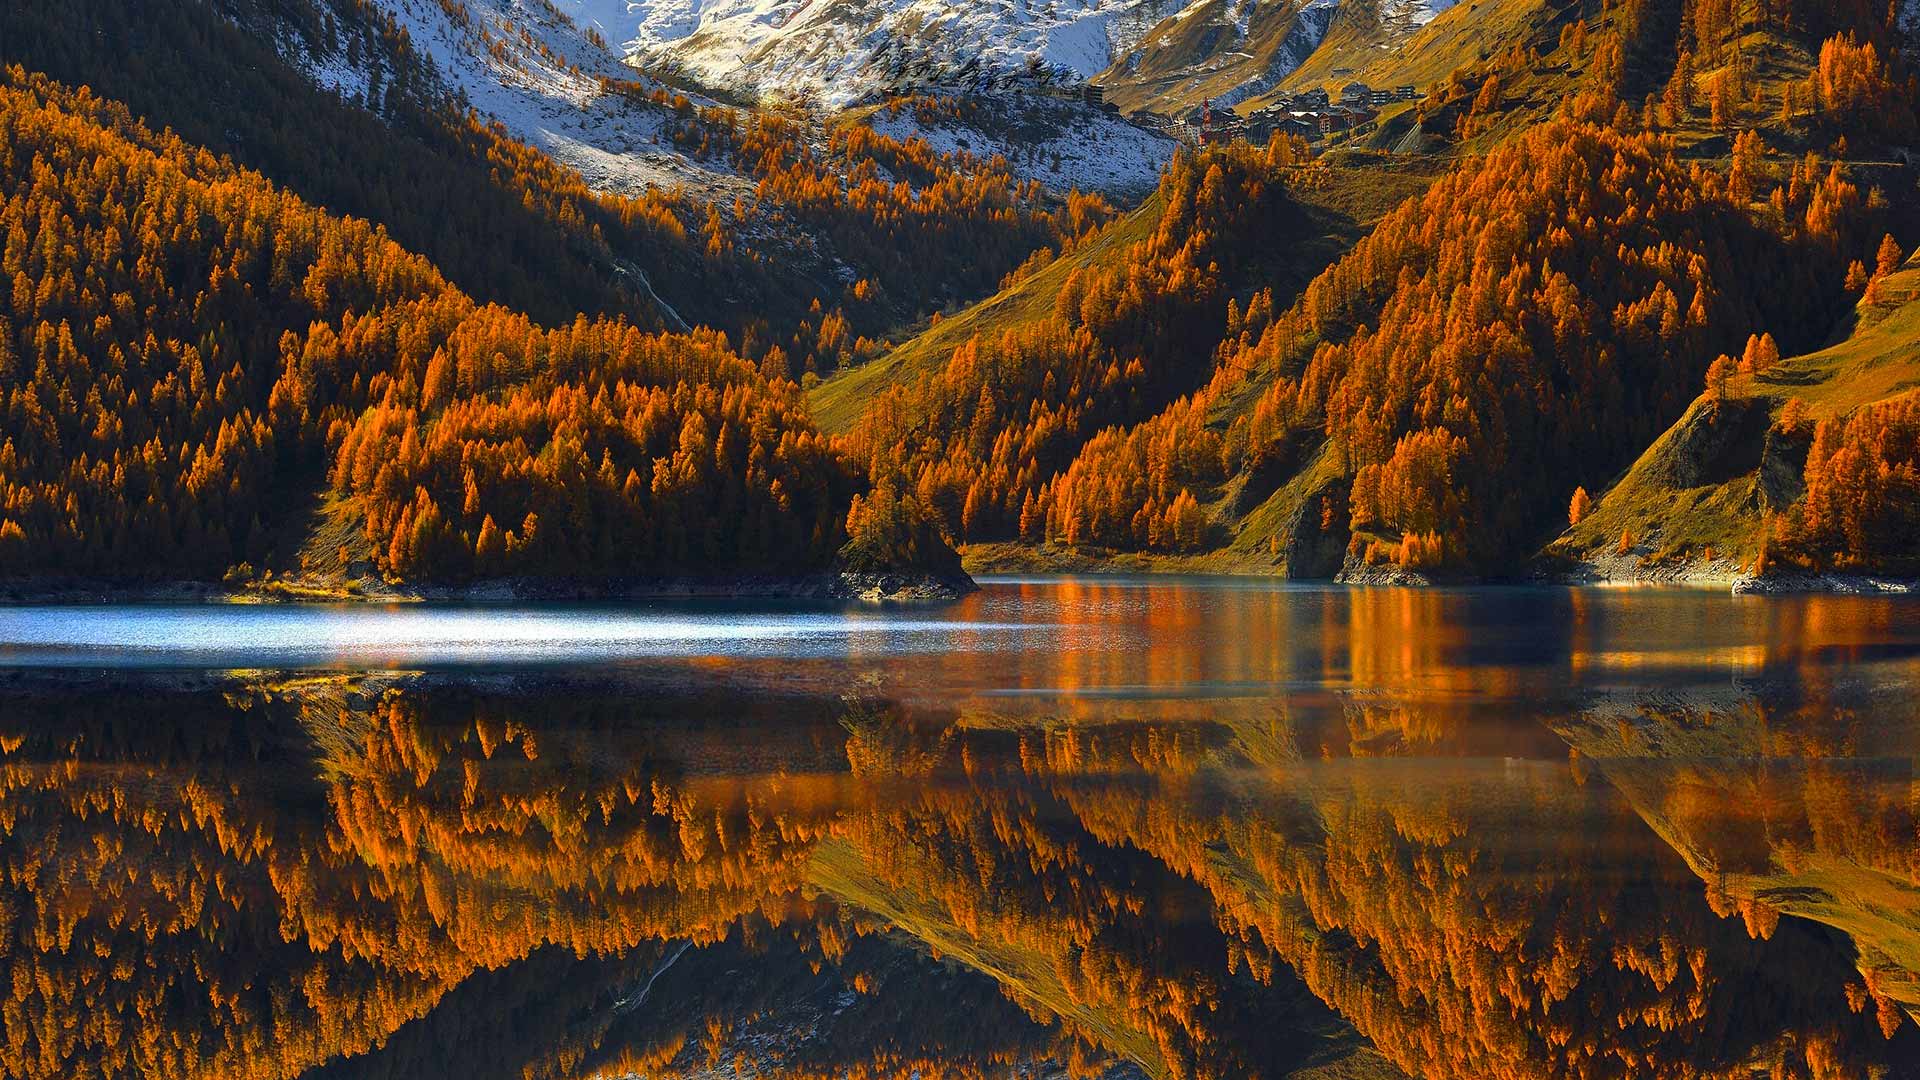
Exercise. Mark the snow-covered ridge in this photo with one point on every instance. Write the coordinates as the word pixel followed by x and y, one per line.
pixel 536 67
pixel 838 51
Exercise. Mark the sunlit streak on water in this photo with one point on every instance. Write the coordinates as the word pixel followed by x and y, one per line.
pixel 360 636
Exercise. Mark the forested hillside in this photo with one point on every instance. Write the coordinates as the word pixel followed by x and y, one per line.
pixel 975 439
pixel 191 352
pixel 813 258
pixel 195 332
pixel 1430 402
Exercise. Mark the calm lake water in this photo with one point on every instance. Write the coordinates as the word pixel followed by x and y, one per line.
pixel 1093 827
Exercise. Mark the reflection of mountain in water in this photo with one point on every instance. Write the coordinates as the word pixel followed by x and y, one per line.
pixel 1788 797
pixel 493 877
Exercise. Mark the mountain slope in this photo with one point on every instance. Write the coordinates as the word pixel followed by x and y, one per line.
pixel 1339 204
pixel 1230 51
pixel 1341 198
pixel 1391 43
pixel 543 74
pixel 503 224
pixel 1700 503
pixel 1059 143
pixel 837 52
pixel 1219 50
pixel 976 415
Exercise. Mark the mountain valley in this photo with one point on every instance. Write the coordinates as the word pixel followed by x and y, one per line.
pixel 1369 288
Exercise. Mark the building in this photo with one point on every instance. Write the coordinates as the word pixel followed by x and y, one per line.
pixel 1305 125
pixel 1346 119
pixel 1356 93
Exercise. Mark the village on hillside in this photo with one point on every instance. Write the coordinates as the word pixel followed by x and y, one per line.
pixel 1310 114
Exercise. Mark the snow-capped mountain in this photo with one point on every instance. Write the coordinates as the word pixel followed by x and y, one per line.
pixel 837 51
pixel 536 67
pixel 1420 12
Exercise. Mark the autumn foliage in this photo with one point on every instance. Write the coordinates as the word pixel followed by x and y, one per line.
pixel 1528 324
pixel 188 349
pixel 979 439
pixel 507 224
pixel 1862 504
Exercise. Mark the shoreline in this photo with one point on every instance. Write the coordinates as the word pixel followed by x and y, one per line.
pixel 1609 572
pixel 825 586
pixel 1624 572
pixel 908 589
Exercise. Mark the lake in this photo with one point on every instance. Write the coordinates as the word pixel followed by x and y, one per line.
pixel 1171 828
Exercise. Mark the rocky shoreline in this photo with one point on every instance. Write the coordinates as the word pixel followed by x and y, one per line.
pixel 1728 574
pixel 826 587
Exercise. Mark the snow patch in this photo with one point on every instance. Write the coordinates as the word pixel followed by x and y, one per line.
pixel 1059 144
pixel 532 67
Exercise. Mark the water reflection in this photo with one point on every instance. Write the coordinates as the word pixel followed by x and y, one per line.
pixel 1224 832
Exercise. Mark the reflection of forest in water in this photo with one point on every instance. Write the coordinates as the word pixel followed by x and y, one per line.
pixel 1421 868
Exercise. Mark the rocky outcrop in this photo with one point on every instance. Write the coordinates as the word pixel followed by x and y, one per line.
pixel 1783 467
pixel 1318 532
pixel 1714 443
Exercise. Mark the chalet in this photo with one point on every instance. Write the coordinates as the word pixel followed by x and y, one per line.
pixel 1356 93
pixel 1305 125
pixel 1406 93
pixel 1345 119
pixel 1316 98
pixel 1083 93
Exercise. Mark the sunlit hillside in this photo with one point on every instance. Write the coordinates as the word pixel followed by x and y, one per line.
pixel 1724 491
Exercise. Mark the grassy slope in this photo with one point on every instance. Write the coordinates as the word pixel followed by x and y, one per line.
pixel 1458 37
pixel 837 402
pixel 1673 522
